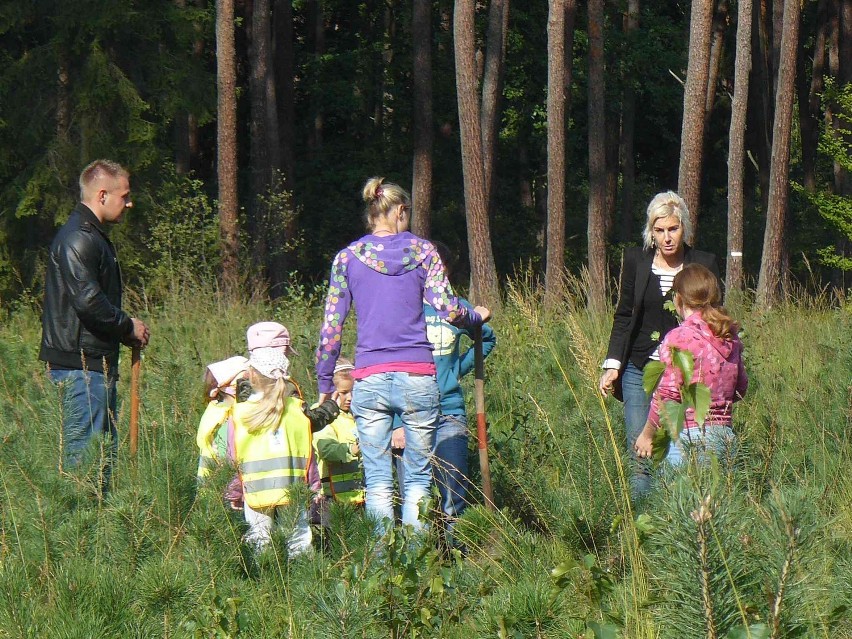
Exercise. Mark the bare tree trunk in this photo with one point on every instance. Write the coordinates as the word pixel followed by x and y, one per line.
pixel 736 153
pixel 492 89
pixel 717 46
pixel 570 20
pixel 555 265
pixel 844 180
pixel 226 126
pixel 628 128
pixel 285 93
pixel 694 101
pixel 773 239
pixel 596 231
pixel 424 137
pixel 809 96
pixel 317 19
pixel 483 272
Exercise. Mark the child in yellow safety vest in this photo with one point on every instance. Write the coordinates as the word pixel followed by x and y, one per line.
pixel 220 382
pixel 336 445
pixel 272 438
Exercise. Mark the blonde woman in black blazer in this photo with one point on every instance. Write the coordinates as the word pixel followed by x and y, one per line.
pixel 641 321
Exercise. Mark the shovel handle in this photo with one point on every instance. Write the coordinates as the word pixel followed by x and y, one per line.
pixel 481 424
pixel 135 370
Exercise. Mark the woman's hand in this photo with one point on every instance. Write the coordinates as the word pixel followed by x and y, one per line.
pixel 644 446
pixel 484 313
pixel 607 380
pixel 398 438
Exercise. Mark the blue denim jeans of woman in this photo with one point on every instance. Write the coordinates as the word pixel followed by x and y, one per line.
pixel 375 401
pixel 89 416
pixel 637 403
pixel 717 440
pixel 450 466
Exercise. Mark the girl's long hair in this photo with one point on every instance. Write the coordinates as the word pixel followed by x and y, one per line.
pixel 267 412
pixel 699 289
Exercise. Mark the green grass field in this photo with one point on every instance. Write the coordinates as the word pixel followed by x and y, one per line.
pixel 763 551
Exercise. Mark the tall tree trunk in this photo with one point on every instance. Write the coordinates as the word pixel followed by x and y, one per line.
pixel 694 101
pixel 596 231
pixel 424 137
pixel 717 46
pixel 809 96
pixel 226 133
pixel 555 265
pixel 761 96
pixel 282 13
pixel 736 153
pixel 317 20
pixel 483 272
pixel 570 21
pixel 492 89
pixel 180 129
pixel 628 127
pixel 844 180
pixel 770 267
pixel 259 134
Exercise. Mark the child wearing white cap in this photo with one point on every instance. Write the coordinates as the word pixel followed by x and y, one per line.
pixel 220 381
pixel 273 444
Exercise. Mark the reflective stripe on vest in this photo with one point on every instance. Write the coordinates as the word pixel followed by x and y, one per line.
pixel 214 416
pixel 274 459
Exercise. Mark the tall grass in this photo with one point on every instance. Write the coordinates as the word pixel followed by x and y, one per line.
pixel 761 551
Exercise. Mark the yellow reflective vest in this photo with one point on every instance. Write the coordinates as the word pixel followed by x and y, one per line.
pixel 342 480
pixel 273 459
pixel 216 414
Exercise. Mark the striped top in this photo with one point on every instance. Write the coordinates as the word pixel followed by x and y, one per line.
pixel 666 280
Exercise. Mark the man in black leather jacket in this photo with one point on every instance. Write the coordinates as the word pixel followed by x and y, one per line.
pixel 82 321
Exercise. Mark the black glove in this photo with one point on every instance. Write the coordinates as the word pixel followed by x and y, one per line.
pixel 322 415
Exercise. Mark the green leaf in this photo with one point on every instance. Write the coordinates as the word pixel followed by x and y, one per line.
pixel 672 418
pixel 603 630
pixel 436 586
pixel 701 399
pixel 754 631
pixel 651 375
pixel 683 359
pixel 660 447
pixel 564 567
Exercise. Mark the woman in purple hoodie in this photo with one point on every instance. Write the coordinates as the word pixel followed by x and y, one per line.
pixel 386 275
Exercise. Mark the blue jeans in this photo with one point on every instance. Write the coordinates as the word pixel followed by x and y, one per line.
pixel 450 465
pixel 375 401
pixel 89 417
pixel 718 440
pixel 636 406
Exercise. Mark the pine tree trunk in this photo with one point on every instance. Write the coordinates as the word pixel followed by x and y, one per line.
pixel 226 128
pixel 484 289
pixel 317 21
pixel 694 101
pixel 736 153
pixel 285 94
pixel 556 120
pixel 808 93
pixel 424 137
pixel 596 232
pixel 770 267
pixel 628 127
pixel 492 89
pixel 717 46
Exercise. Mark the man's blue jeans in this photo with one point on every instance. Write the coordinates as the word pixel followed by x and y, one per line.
pixel 375 401
pixel 636 406
pixel 88 417
pixel 450 465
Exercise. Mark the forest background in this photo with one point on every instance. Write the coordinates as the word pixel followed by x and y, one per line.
pixel 315 96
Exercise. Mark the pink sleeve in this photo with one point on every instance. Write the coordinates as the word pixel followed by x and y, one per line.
pixel 742 376
pixel 337 303
pixel 670 383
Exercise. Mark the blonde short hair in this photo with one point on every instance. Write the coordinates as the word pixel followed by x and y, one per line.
pixel 97 170
pixel 381 198
pixel 662 206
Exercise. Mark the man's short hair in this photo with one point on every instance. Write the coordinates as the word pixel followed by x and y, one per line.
pixel 97 170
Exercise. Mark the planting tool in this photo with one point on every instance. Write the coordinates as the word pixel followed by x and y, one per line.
pixel 135 372
pixel 481 424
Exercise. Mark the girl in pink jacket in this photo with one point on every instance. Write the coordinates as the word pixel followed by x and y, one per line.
pixel 709 333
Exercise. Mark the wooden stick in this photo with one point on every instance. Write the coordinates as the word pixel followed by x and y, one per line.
pixel 135 371
pixel 481 424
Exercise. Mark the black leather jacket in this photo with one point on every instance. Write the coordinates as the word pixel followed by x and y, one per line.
pixel 82 297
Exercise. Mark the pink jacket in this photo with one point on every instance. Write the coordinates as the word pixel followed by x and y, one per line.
pixel 718 365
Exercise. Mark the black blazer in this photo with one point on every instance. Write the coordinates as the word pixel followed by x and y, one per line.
pixel 635 273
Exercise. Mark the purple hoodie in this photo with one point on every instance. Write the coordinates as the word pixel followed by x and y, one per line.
pixel 387 278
